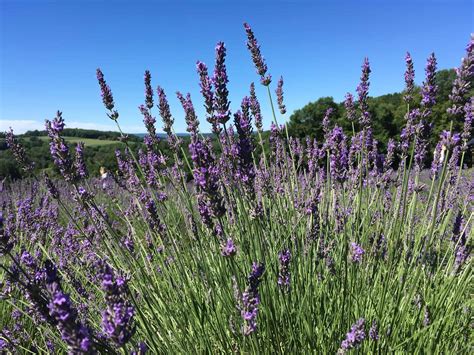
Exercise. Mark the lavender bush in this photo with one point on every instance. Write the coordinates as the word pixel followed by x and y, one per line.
pixel 278 246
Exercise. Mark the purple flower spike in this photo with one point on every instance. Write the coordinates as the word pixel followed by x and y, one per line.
pixel 148 90
pixel 363 92
pixel 251 299
pixel 355 337
pixel 429 88
pixel 76 335
pixel 409 79
pixel 338 154
pixel 349 106
pixel 228 249
pixel 356 253
pixel 107 97
pixel 284 275
pixel 279 93
pixel 206 91
pixel 373 331
pixel 462 84
pixel 468 119
pixel 59 149
pixel 220 80
pixel 257 58
pixel 117 318
pixel 79 162
pixel 18 151
pixel 255 108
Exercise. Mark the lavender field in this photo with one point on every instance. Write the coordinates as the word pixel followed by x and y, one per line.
pixel 266 244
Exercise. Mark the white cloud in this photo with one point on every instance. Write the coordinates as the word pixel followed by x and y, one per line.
pixel 21 126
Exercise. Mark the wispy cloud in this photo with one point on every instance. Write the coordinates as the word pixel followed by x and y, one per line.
pixel 21 126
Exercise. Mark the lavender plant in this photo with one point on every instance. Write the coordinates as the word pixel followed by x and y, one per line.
pixel 357 250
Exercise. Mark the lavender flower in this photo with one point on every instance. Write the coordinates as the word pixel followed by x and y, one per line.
pixel 206 91
pixel 462 84
pixel 468 119
pixel 284 275
pixel 168 119
pixel 76 335
pixel 355 337
pixel 148 90
pixel 190 115
pixel 363 92
pixel 373 331
pixel 58 148
pixel 429 88
pixel 279 93
pixel 206 171
pixel 255 108
pixel 220 80
pixel 117 318
pixel 326 121
pixel 251 299
pixel 245 169
pixel 349 106
pixel 409 79
pixel 338 155
pixel 356 253
pixel 228 249
pixel 18 151
pixel 107 97
pixel 79 162
pixel 257 58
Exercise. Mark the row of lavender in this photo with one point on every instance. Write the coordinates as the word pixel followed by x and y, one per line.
pixel 310 245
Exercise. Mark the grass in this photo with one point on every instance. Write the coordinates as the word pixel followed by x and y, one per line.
pixel 89 142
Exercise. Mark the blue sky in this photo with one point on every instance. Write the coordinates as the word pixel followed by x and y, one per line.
pixel 49 51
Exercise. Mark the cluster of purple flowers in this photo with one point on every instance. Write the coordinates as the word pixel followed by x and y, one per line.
pixel 309 197
pixel 117 318
pixel 257 58
pixel 250 300
pixel 355 336
pixel 284 275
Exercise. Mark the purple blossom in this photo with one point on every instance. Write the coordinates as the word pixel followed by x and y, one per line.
pixel 107 97
pixel 279 93
pixel 168 119
pixel 257 58
pixel 220 80
pixel 228 249
pixel 429 88
pixel 326 121
pixel 245 169
pixel 356 253
pixel 409 79
pixel 190 114
pixel 18 151
pixel 349 106
pixel 355 337
pixel 117 318
pixel 79 162
pixel 149 121
pixel 148 90
pixel 363 93
pixel 255 108
pixel 373 331
pixel 468 119
pixel 206 91
pixel 284 258
pixel 338 154
pixel 248 304
pixel 462 84
pixel 59 149
pixel 75 334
